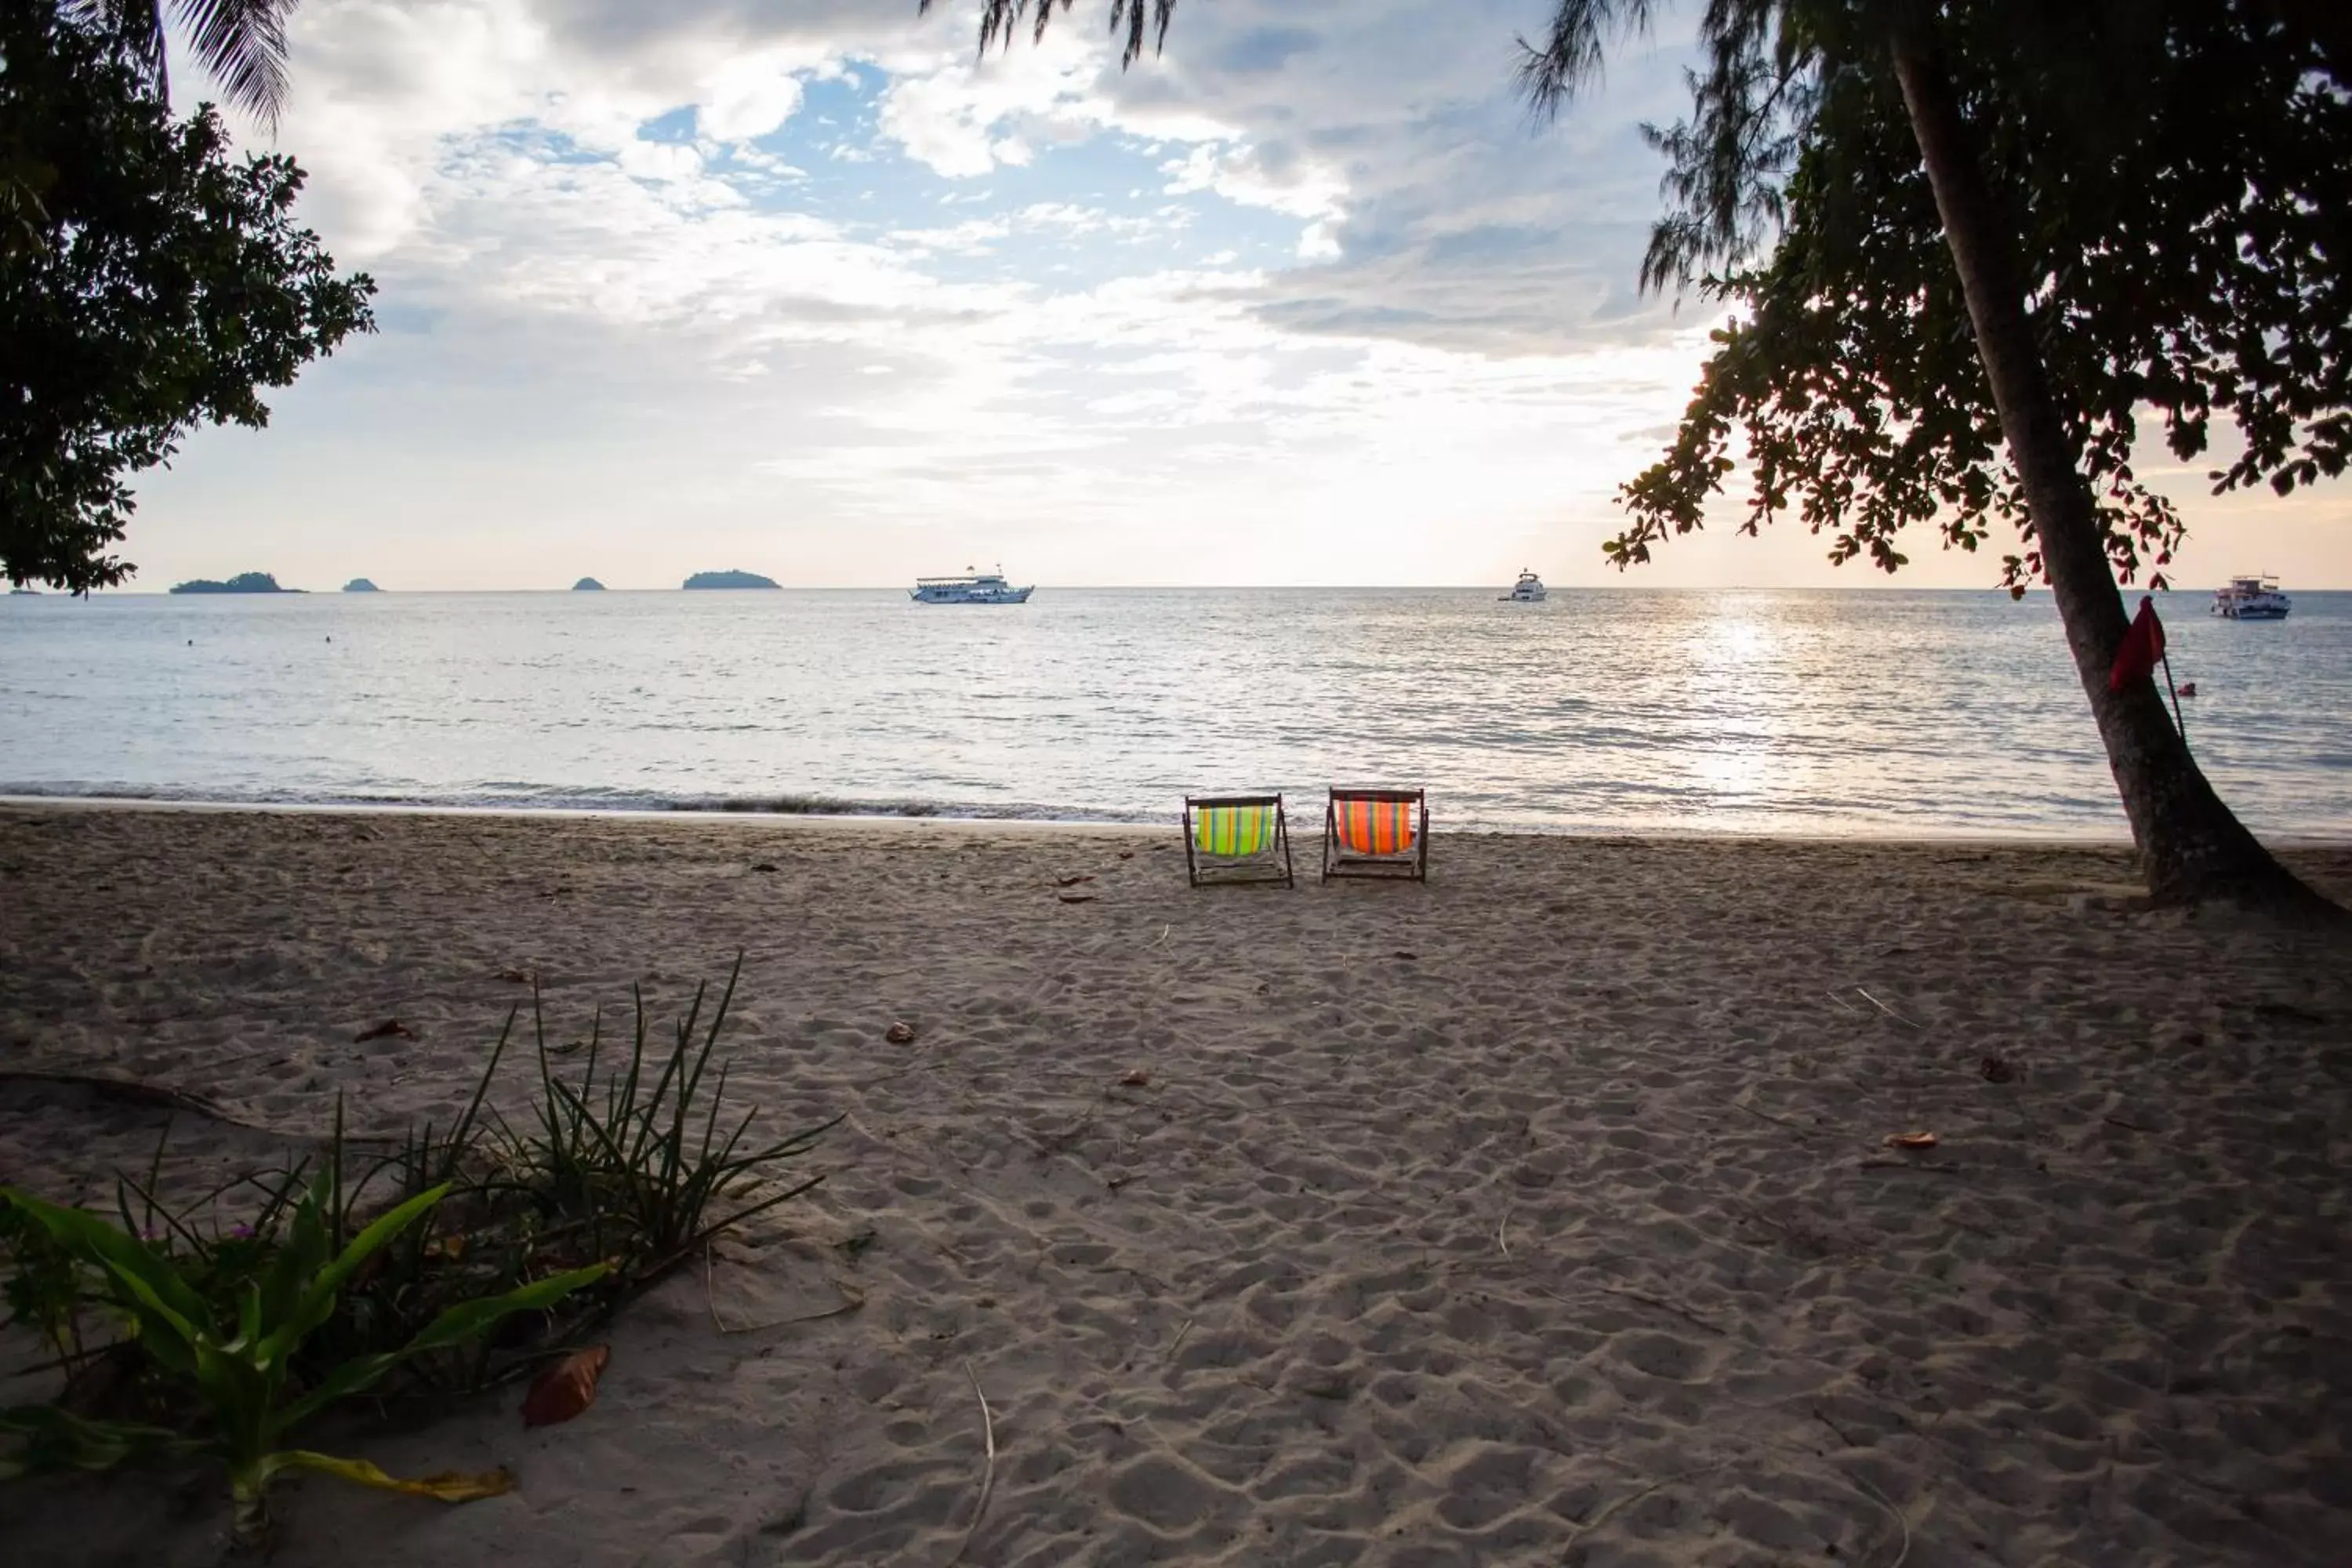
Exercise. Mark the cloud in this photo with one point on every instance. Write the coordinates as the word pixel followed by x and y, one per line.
pixel 803 284
pixel 963 119
pixel 744 99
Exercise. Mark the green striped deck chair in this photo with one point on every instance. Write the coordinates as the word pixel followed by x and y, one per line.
pixel 1237 839
pixel 1376 833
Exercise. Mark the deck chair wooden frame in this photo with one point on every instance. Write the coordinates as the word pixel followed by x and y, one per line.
pixel 1409 863
pixel 1202 869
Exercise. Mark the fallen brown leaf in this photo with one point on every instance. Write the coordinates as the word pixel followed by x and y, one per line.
pixel 385 1030
pixel 1910 1140
pixel 565 1389
pixel 899 1033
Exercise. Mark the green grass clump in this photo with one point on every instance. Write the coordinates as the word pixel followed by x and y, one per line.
pixel 626 1157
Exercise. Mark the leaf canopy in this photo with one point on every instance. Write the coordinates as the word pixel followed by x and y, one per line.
pixel 2179 178
pixel 1000 19
pixel 149 282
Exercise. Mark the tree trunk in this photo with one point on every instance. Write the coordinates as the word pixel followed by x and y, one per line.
pixel 2191 847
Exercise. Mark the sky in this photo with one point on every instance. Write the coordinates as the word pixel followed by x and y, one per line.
pixel 805 287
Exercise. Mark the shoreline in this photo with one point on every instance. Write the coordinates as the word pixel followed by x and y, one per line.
pixel 1303 825
pixel 683 814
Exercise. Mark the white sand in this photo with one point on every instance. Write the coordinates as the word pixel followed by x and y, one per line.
pixel 1538 1214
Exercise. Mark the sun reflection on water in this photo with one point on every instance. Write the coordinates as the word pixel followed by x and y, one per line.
pixel 1758 710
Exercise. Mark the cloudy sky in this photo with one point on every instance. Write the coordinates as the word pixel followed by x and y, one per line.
pixel 798 286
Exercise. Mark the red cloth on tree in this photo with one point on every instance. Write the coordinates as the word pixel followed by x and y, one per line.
pixel 2142 646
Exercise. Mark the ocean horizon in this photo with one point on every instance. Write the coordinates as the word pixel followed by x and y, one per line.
pixel 2172 600
pixel 1867 712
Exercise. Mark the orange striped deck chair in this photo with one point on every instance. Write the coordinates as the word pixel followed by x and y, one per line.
pixel 1376 833
pixel 1237 839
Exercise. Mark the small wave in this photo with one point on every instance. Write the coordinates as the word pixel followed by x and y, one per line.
pixel 838 805
pixel 1667 815
pixel 500 796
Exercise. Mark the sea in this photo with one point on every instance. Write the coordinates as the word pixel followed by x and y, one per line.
pixel 1617 710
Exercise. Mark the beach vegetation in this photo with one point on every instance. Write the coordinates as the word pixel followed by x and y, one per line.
pixel 1968 251
pixel 642 1160
pixel 221 1330
pixel 151 281
pixel 450 1261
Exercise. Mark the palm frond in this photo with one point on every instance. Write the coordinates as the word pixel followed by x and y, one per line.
pixel 243 44
pixel 999 18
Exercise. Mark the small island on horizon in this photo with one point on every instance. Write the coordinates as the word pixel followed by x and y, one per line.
pixel 729 580
pixel 242 582
pixel 361 585
pixel 587 586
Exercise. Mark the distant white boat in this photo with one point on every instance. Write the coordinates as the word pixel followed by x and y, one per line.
pixel 1528 590
pixel 2255 598
pixel 972 588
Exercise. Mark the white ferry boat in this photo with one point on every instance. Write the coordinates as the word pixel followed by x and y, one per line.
pixel 972 588
pixel 2253 598
pixel 1528 590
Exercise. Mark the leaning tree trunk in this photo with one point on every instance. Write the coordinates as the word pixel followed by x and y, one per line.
pixel 2191 847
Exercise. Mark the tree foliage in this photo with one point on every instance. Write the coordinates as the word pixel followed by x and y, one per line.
pixel 242 43
pixel 149 282
pixel 2178 175
pixel 1000 19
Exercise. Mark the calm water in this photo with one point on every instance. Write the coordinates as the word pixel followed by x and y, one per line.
pixel 1614 708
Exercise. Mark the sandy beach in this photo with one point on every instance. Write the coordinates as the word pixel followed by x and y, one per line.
pixel 1541 1214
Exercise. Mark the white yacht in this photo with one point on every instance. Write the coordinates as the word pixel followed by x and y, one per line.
pixel 1528 590
pixel 2255 598
pixel 972 588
